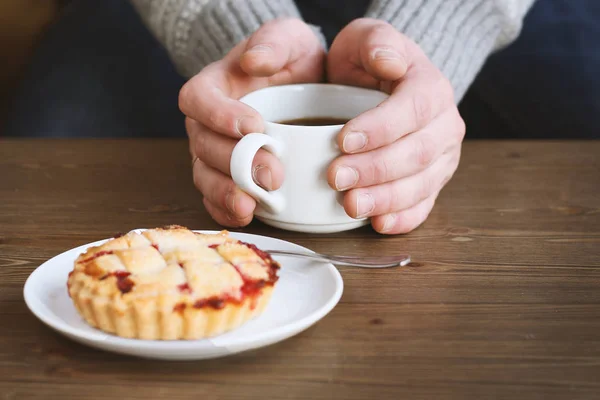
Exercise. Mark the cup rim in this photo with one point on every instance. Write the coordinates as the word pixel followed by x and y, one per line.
pixel 328 86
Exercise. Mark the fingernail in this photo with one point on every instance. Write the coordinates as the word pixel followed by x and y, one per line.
pixel 390 221
pixel 260 48
pixel 364 205
pixel 230 202
pixel 262 176
pixel 385 54
pixel 354 141
pixel 247 124
pixel 345 177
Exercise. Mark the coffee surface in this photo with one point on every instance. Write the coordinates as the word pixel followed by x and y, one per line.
pixel 315 121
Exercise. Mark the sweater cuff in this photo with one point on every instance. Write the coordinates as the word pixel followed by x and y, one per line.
pixel 456 36
pixel 196 33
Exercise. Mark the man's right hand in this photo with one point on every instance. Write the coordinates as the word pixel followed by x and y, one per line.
pixel 283 51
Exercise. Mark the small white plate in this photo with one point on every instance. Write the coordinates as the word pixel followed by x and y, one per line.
pixel 305 292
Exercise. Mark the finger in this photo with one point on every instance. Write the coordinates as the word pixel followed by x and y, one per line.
pixel 404 221
pixel 275 49
pixel 405 157
pixel 224 217
pixel 368 52
pixel 288 51
pixel 403 193
pixel 215 151
pixel 420 96
pixel 384 52
pixel 221 191
pixel 206 98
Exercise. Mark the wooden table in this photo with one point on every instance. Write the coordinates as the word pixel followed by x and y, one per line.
pixel 502 300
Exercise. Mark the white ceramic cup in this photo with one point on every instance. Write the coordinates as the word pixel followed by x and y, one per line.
pixel 305 202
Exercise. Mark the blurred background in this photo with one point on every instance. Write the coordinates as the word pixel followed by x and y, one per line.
pixel 22 24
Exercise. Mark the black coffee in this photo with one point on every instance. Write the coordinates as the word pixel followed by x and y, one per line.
pixel 316 121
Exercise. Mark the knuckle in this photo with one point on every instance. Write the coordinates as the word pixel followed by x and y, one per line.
pixel 380 170
pixel 393 200
pixel 427 187
pixel 198 181
pixel 388 130
pixel 422 109
pixel 212 210
pixel 426 209
pixel 461 127
pixel 424 152
pixel 380 29
pixel 225 188
pixel 200 146
pixel 446 179
pixel 217 118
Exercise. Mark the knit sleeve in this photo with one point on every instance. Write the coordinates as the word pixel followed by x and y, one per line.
pixel 457 35
pixel 196 33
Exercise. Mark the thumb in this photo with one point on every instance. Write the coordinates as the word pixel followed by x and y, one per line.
pixel 384 52
pixel 277 45
pixel 368 52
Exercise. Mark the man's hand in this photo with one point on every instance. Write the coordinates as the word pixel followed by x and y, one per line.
pixel 398 156
pixel 283 51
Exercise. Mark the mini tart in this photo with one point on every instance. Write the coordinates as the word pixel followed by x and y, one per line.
pixel 171 284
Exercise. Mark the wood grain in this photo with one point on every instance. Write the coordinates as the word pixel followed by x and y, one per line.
pixel 502 300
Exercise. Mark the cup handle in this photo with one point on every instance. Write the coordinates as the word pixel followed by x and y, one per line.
pixel 241 169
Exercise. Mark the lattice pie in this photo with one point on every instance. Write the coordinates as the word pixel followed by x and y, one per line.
pixel 171 283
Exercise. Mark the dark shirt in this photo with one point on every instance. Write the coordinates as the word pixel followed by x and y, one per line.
pixel 332 15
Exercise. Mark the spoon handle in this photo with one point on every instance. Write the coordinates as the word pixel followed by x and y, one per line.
pixel 355 261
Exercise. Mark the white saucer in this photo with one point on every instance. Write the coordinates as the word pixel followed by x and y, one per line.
pixel 306 292
pixel 315 228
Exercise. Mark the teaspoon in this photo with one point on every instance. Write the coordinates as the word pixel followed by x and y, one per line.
pixel 354 261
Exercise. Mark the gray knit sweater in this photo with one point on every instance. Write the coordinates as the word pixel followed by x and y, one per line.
pixel 457 35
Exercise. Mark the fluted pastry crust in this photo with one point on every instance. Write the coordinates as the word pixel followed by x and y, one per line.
pixel 171 284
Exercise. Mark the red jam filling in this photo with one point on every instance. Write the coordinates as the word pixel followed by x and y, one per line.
pixel 268 260
pixel 179 308
pixel 214 302
pixel 97 255
pixel 124 284
pixel 184 287
pixel 155 246
pixel 251 288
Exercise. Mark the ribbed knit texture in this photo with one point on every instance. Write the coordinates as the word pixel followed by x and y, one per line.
pixel 457 35
pixel 198 32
